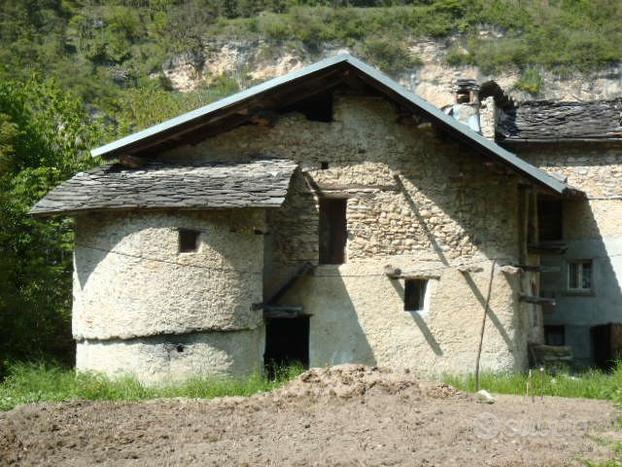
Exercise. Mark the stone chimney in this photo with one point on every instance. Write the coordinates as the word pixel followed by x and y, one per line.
pixel 467 106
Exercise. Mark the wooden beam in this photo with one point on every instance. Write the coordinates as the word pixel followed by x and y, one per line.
pixel 542 269
pixel 290 312
pixel 536 300
pixel 303 270
pixel 557 248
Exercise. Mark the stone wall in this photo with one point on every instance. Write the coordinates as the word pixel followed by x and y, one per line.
pixel 416 200
pixel 592 229
pixel 175 357
pixel 130 282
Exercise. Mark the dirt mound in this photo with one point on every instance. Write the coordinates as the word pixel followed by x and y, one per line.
pixel 351 380
pixel 345 415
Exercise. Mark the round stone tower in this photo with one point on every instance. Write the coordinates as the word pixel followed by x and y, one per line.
pixel 165 296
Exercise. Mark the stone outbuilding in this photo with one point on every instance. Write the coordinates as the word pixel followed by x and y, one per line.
pixel 326 216
pixel 580 142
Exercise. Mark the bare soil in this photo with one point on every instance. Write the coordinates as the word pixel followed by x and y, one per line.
pixel 346 415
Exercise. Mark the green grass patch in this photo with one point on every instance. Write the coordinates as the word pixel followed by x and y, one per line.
pixel 590 384
pixel 530 81
pixel 28 383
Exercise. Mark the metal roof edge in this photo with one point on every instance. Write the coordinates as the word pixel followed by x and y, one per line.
pixel 219 104
pixel 465 132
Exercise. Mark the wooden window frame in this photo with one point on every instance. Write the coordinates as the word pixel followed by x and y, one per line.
pixel 579 290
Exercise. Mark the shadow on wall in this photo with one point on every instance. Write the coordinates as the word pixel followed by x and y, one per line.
pixel 419 321
pixel 480 207
pixel 336 334
pixel 585 314
pixel 479 294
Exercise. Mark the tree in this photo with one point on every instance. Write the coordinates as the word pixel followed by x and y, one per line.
pixel 44 137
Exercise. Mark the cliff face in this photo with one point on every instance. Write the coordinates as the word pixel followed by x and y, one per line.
pixel 258 60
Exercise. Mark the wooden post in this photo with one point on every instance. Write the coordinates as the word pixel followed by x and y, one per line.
pixel 481 334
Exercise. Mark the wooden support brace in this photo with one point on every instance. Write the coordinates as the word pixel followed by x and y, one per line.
pixel 510 269
pixel 548 248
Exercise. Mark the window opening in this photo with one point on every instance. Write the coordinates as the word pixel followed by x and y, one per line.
pixel 580 276
pixel 333 230
pixel 188 240
pixel 414 294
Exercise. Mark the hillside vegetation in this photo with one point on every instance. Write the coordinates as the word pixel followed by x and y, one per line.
pixel 111 52
pixel 75 73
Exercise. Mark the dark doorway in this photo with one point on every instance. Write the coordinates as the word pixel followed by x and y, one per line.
pixel 287 342
pixel 549 219
pixel 606 345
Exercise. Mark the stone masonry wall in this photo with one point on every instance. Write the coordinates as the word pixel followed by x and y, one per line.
pixel 416 200
pixel 130 282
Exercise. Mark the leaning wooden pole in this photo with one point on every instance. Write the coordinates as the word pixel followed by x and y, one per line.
pixel 481 333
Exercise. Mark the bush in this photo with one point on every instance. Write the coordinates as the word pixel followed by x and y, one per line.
pixel 389 56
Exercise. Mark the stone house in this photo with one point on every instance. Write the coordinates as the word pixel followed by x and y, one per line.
pixel 326 216
pixel 581 236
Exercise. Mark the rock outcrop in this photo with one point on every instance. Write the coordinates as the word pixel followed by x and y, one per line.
pixel 250 61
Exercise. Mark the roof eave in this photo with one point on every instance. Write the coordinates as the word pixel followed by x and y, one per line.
pixel 375 77
pixel 114 148
pixel 465 133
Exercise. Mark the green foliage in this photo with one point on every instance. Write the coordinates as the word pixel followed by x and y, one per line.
pixel 101 50
pixel 389 55
pixel 530 81
pixel 28 383
pixel 44 137
pixel 149 104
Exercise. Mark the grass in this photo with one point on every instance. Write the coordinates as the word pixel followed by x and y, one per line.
pixel 592 384
pixel 28 383
pixel 530 81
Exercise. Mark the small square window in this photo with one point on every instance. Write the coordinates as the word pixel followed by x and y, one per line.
pixel 188 240
pixel 554 335
pixel 414 294
pixel 580 276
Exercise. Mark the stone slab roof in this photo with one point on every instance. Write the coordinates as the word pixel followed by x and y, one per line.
pixel 156 185
pixel 548 121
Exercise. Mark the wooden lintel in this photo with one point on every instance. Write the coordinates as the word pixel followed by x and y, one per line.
pixel 291 312
pixel 536 300
pixel 547 248
pixel 392 272
pixel 542 269
pixel 396 273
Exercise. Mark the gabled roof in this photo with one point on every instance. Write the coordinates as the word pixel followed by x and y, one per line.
pixel 313 79
pixel 261 183
pixel 548 121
